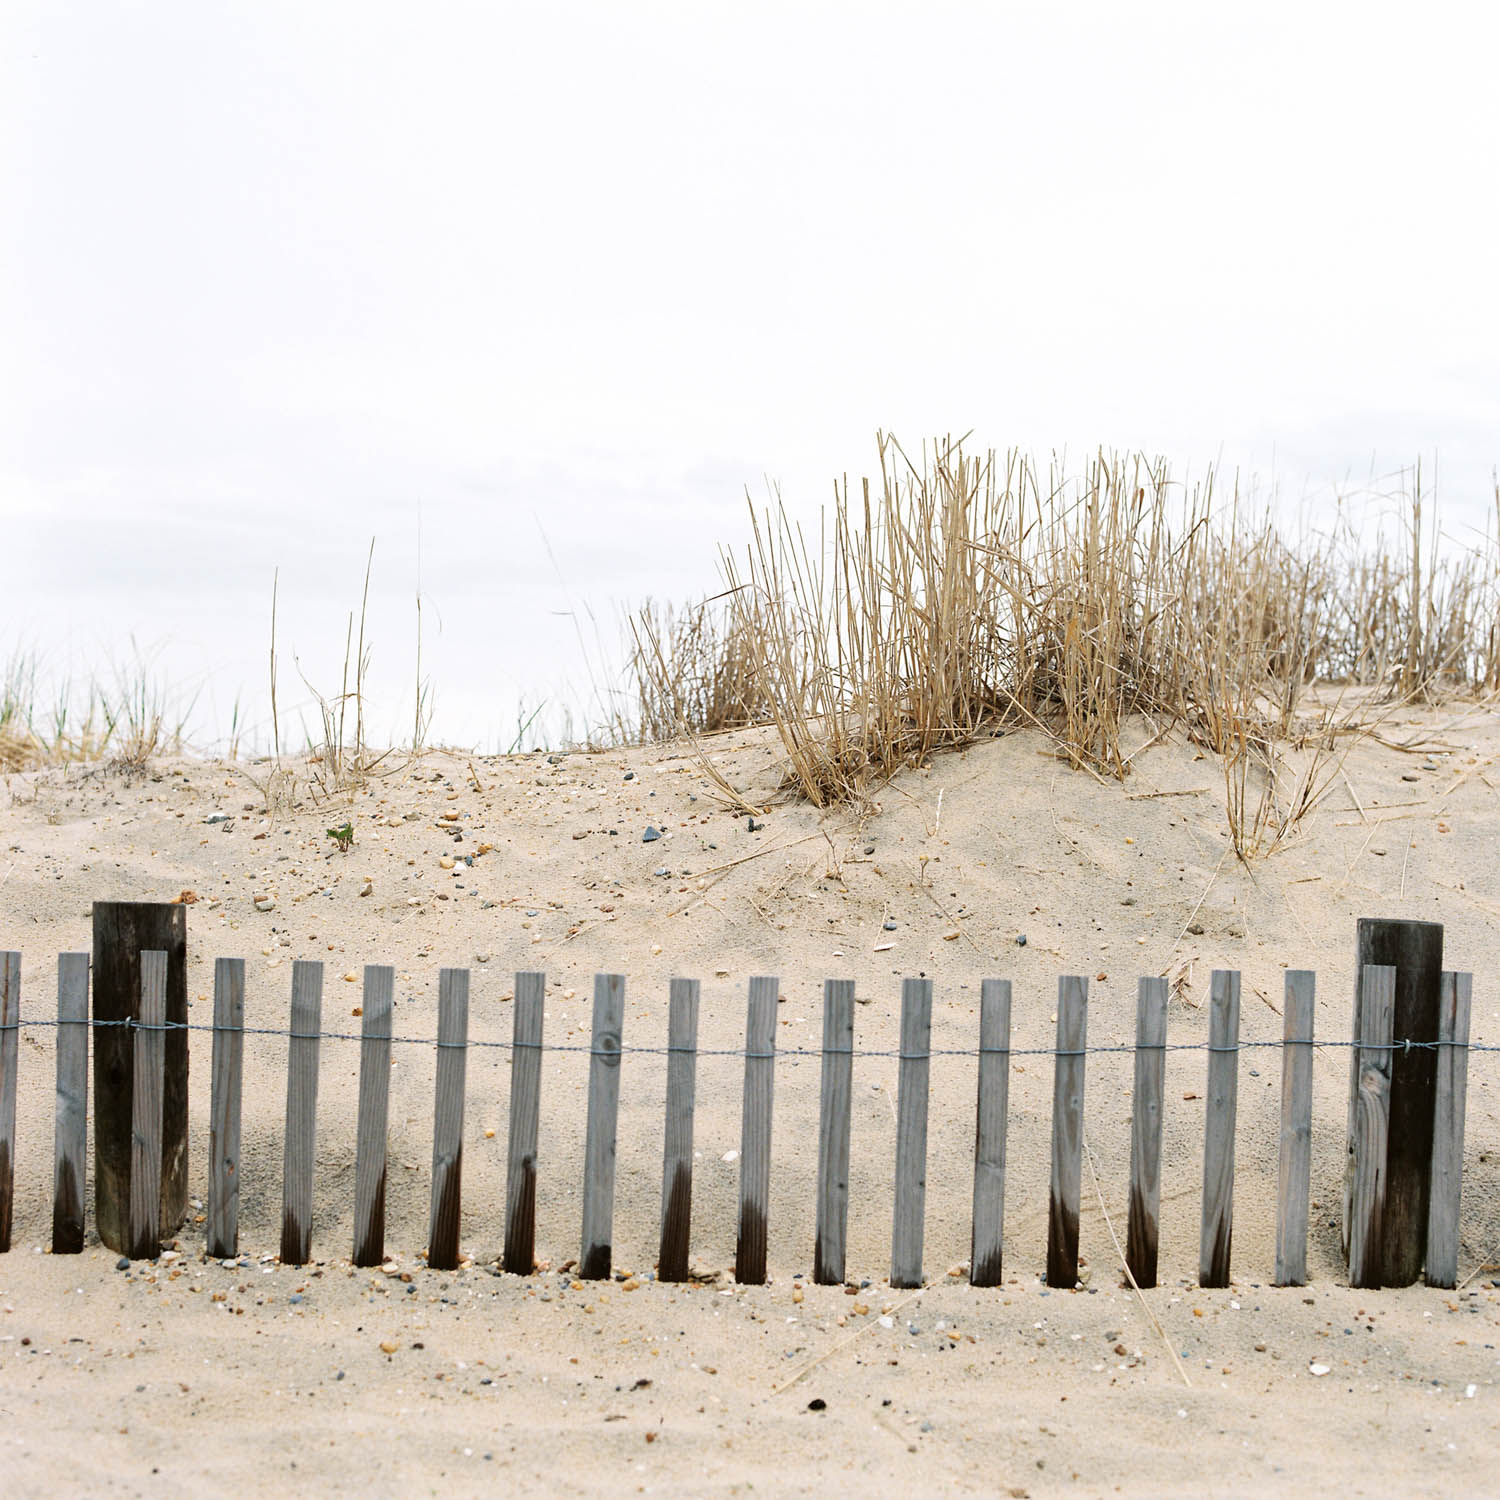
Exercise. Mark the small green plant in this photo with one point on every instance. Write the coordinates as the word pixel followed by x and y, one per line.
pixel 343 837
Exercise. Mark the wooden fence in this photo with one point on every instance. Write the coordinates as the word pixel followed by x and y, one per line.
pixel 1373 1049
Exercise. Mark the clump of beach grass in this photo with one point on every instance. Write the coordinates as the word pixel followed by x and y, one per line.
pixel 959 593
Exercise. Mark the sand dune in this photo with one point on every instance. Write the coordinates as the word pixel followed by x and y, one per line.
pixel 1037 1391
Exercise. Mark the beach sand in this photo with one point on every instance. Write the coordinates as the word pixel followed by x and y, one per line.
pixel 269 1379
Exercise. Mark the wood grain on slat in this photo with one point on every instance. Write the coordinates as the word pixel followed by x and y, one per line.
pixel 1067 1132
pixel 677 1145
pixel 1217 1231
pixel 1294 1174
pixel 448 1119
pixel 1143 1228
pixel 223 1205
pixel 525 1103
pixel 755 1132
pixel 370 1130
pixel 1372 1120
pixel 1448 1129
pixel 70 1140
pixel 149 1061
pixel 301 1112
pixel 10 1033
pixel 987 1234
pixel 909 1219
pixel 833 1132
pixel 597 1251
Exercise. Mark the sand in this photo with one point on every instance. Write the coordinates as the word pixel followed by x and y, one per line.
pixel 265 1378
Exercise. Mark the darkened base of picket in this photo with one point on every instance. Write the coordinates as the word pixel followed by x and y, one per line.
pixel 673 1265
pixel 370 1251
pixel 594 1264
pixel 1062 1246
pixel 67 1213
pixel 294 1240
pixel 121 930
pixel 520 1237
pixel 1141 1242
pixel 989 1271
pixel 750 1248
pixel 7 1196
pixel 1216 1272
pixel 1415 950
pixel 442 1253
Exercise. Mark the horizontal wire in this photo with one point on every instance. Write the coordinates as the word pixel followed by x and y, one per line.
pixel 1404 1045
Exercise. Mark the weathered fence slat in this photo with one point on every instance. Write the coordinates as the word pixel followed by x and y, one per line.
pixel 70 1139
pixel 10 1033
pixel 833 1131
pixel 987 1233
pixel 301 1112
pixel 755 1132
pixel 374 1113
pixel 597 1251
pixel 448 1119
pixel 1143 1229
pixel 149 1061
pixel 912 1091
pixel 1067 1132
pixel 223 1207
pixel 1372 1120
pixel 1292 1183
pixel 677 1144
pixel 525 1104
pixel 1448 1129
pixel 1222 1097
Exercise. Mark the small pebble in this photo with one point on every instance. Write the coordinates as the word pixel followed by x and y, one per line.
pixel 1021 940
pixel 651 834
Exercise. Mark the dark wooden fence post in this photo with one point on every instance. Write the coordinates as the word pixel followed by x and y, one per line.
pixel 1415 951
pixel 122 929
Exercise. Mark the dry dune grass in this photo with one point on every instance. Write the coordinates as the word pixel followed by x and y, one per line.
pixel 126 717
pixel 959 593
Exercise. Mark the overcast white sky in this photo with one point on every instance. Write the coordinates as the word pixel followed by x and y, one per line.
pixel 283 277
